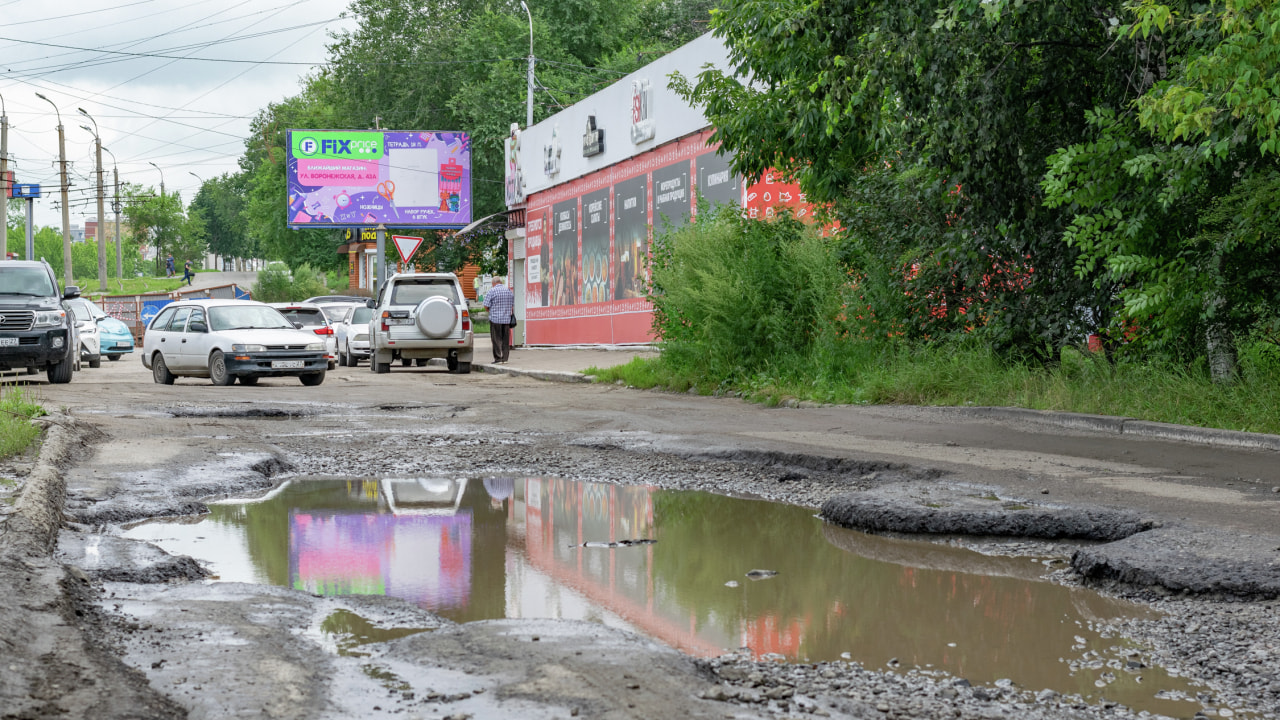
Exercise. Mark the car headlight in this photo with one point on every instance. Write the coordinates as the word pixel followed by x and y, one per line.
pixel 315 347
pixel 248 348
pixel 49 318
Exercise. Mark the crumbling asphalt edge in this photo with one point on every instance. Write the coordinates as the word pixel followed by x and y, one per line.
pixel 32 529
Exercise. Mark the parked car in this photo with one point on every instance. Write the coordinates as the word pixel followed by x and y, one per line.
pixel 419 316
pixel 352 333
pixel 36 332
pixel 314 320
pixel 228 339
pixel 100 334
pixel 323 299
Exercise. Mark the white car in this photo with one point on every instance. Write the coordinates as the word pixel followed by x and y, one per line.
pixel 418 316
pixel 228 339
pixel 314 320
pixel 86 316
pixel 352 333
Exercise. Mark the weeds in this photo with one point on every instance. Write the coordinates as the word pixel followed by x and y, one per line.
pixel 17 407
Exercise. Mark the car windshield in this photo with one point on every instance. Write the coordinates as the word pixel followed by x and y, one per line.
pixel 246 317
pixel 309 317
pixel 335 311
pixel 81 311
pixel 415 291
pixel 26 281
pixel 361 316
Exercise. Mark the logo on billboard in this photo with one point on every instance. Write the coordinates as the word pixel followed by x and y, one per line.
pixel 308 146
pixel 349 145
pixel 592 139
pixel 551 153
pixel 642 127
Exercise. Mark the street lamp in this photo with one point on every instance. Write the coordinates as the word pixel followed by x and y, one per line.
pixel 66 208
pixel 528 107
pixel 115 207
pixel 102 218
pixel 157 167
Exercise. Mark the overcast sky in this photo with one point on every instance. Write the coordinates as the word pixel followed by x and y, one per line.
pixel 187 112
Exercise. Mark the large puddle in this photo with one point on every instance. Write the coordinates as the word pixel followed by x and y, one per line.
pixel 539 547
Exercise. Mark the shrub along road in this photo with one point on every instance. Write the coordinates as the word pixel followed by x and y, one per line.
pixel 107 617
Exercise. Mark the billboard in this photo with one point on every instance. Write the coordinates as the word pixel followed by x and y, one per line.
pixel 354 178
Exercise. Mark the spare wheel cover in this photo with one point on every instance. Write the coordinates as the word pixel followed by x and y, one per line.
pixel 436 317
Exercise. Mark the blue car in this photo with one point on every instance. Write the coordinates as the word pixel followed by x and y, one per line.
pixel 100 334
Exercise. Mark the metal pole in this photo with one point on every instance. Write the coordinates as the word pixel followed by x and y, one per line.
pixel 4 182
pixel 115 206
pixel 157 167
pixel 378 268
pixel 31 229
pixel 102 218
pixel 528 101
pixel 67 274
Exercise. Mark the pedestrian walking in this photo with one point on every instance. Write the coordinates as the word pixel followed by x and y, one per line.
pixel 501 304
pixel 169 267
pixel 188 273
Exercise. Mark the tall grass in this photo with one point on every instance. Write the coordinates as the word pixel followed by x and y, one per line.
pixel 17 432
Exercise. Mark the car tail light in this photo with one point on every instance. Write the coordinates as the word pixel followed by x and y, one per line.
pixel 466 320
pixel 385 314
pixel 324 330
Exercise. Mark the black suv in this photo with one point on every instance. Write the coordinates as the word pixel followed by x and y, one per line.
pixel 35 331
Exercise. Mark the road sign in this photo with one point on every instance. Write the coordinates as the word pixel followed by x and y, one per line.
pixel 406 245
pixel 29 190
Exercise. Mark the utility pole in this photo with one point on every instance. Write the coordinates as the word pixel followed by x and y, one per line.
pixel 115 208
pixel 528 99
pixel 4 182
pixel 102 218
pixel 68 278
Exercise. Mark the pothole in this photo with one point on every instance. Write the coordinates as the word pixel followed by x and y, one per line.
pixel 474 549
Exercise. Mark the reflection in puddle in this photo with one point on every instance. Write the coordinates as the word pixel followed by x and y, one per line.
pixel 498 548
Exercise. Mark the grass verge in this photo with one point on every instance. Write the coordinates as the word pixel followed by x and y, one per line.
pixel 1079 383
pixel 17 432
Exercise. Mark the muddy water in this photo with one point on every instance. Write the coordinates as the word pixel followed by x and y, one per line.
pixel 539 547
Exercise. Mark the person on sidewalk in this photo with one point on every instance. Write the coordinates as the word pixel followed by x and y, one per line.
pixel 187 273
pixel 168 266
pixel 501 304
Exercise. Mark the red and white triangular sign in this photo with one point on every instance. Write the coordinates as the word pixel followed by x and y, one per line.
pixel 406 245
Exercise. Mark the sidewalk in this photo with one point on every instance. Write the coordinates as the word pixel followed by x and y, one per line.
pixel 564 364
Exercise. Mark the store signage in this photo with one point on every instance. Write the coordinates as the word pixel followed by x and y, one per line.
pixel 515 172
pixel 642 127
pixel 551 153
pixel 592 139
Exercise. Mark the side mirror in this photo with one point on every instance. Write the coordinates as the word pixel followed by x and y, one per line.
pixel 370 303
pixel 71 293
pixel 198 328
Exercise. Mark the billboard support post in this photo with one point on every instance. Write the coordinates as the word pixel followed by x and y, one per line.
pixel 379 264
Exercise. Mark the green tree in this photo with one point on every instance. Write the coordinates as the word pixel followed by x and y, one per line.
pixel 155 221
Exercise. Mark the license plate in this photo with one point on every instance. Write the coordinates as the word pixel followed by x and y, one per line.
pixel 8 342
pixel 399 321
pixel 287 364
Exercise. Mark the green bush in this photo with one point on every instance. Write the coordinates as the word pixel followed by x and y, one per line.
pixel 734 296
pixel 277 283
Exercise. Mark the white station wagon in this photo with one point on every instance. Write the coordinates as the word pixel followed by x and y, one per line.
pixel 228 339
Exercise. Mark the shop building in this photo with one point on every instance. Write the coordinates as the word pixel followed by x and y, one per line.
pixel 596 182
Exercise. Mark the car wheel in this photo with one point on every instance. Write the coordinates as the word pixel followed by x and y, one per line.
pixel 420 362
pixel 160 372
pixel 405 362
pixel 218 369
pixel 113 357
pixel 380 368
pixel 311 379
pixel 248 379
pixel 342 359
pixel 464 368
pixel 60 372
pixel 32 371
pixel 451 362
pixel 95 364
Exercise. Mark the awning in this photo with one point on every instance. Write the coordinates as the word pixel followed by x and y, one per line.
pixel 475 225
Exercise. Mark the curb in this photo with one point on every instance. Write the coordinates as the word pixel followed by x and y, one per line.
pixel 548 375
pixel 37 515
pixel 1132 427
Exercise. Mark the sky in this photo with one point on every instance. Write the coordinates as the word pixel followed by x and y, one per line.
pixel 170 82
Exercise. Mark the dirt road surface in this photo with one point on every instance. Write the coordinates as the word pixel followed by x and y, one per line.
pixel 94 625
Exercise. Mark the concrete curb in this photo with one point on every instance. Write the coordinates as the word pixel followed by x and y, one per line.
pixel 32 529
pixel 548 375
pixel 1125 426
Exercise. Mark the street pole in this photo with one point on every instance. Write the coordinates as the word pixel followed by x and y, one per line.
pixel 102 218
pixel 379 268
pixel 528 100
pixel 31 229
pixel 67 270
pixel 4 181
pixel 115 208
pixel 157 167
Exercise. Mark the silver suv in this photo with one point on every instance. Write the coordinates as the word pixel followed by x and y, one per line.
pixel 417 316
